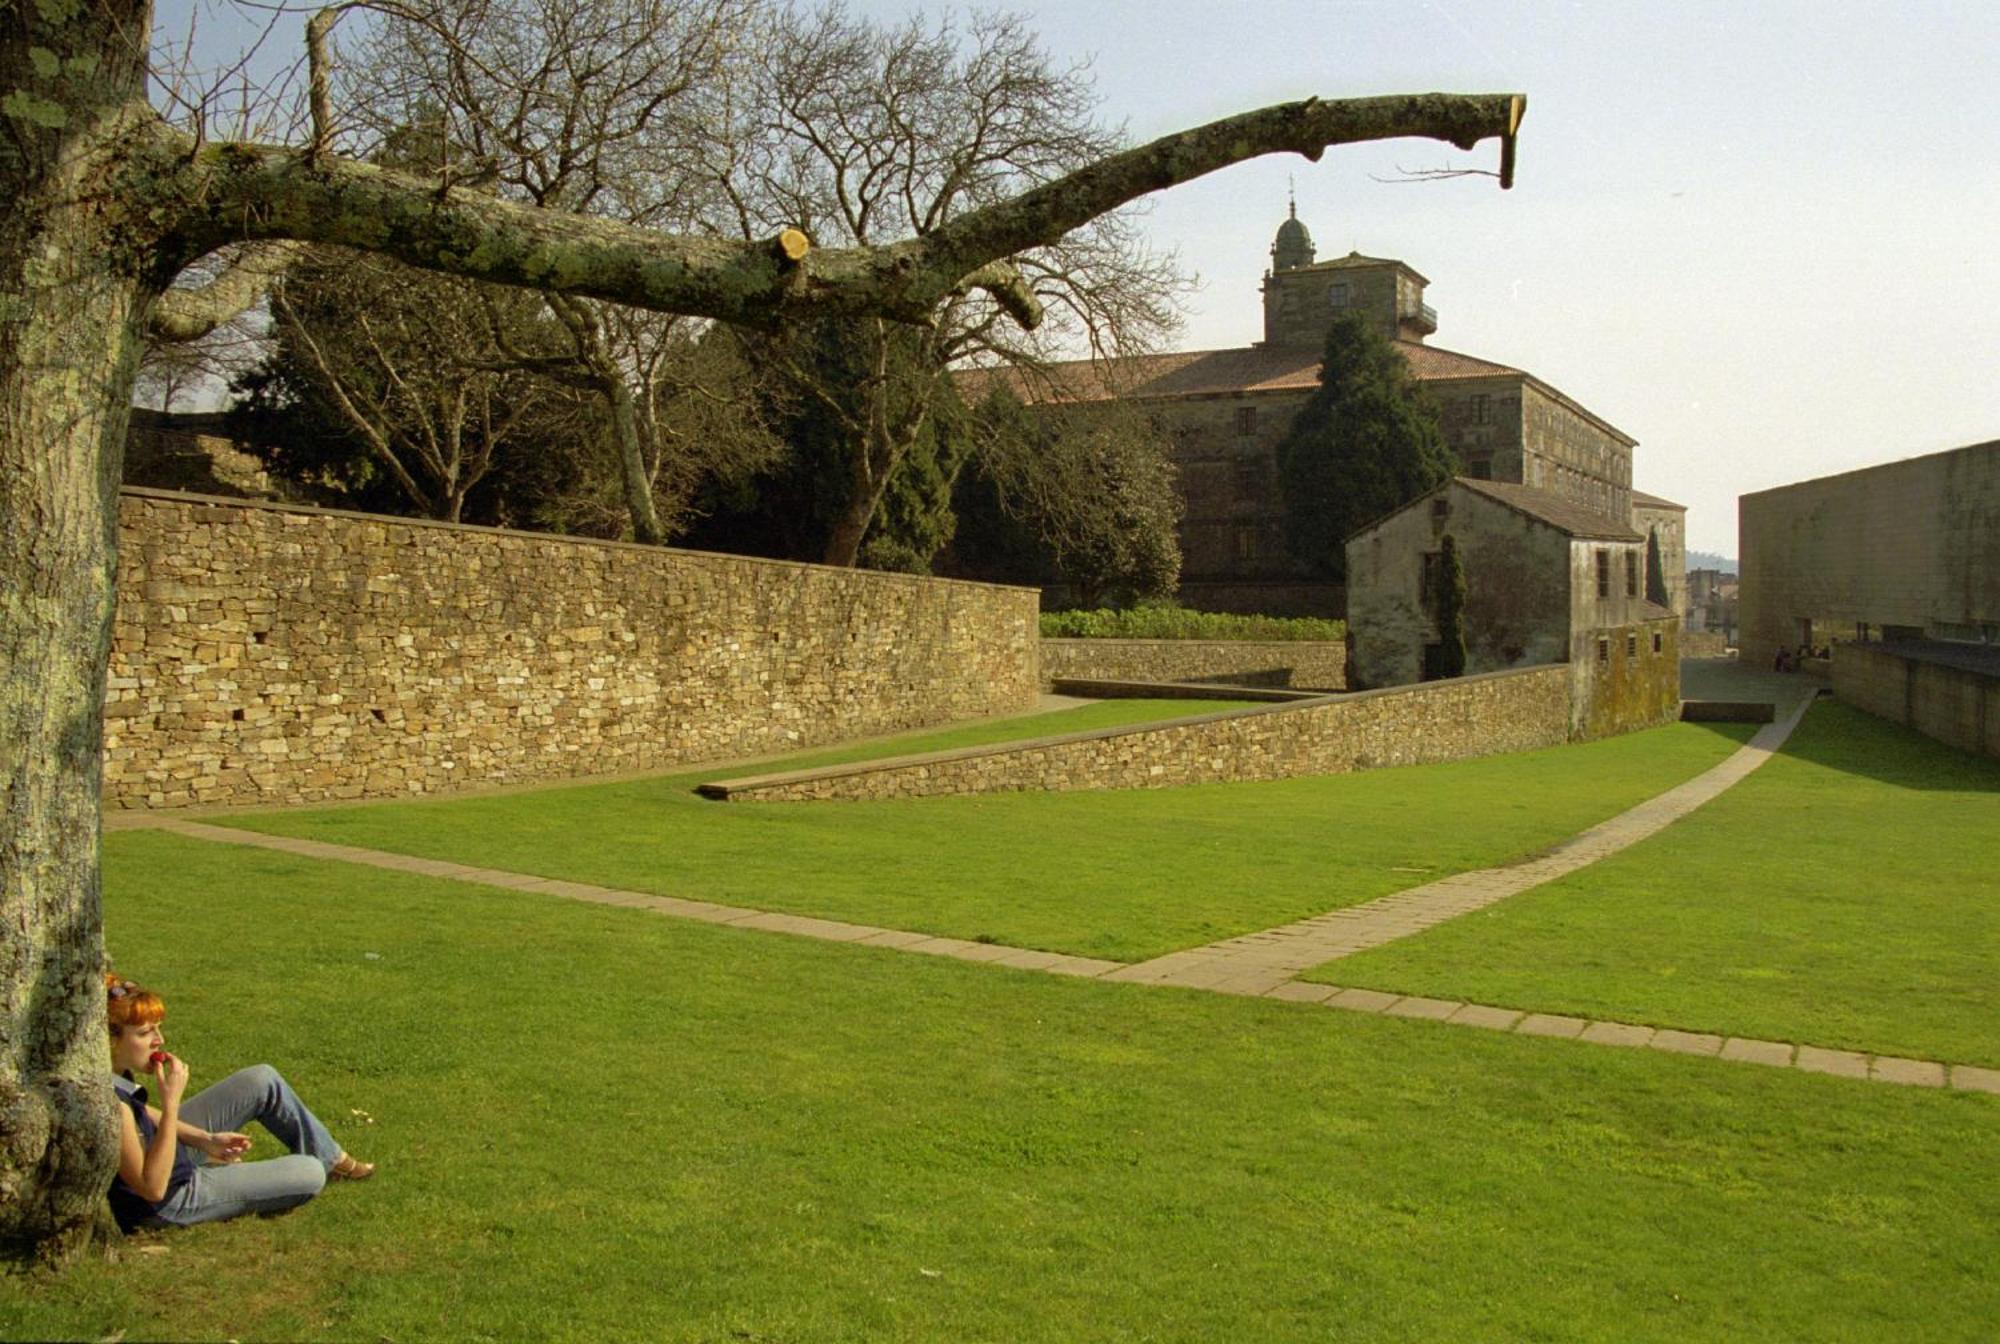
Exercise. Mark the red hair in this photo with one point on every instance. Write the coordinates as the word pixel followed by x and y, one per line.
pixel 129 1005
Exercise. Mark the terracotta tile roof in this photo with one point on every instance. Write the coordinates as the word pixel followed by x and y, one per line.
pixel 1546 506
pixel 1643 500
pixel 1199 373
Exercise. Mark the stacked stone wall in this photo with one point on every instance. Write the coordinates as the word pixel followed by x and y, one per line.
pixel 1319 665
pixel 1406 725
pixel 1956 706
pixel 269 653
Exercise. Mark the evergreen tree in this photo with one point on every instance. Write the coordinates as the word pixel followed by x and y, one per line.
pixel 1656 570
pixel 1366 444
pixel 1449 604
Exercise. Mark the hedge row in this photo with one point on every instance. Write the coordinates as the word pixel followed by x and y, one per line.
pixel 1178 623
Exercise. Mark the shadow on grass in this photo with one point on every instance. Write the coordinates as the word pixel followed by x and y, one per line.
pixel 1839 737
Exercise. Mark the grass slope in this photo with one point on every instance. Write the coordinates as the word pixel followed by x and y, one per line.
pixel 1124 875
pixel 1845 894
pixel 595 1123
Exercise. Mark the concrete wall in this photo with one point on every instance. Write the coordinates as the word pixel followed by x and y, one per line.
pixel 267 653
pixel 1958 706
pixel 1913 544
pixel 1407 725
pixel 1311 664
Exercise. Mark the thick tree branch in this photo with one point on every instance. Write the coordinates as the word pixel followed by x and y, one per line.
pixel 235 192
pixel 190 314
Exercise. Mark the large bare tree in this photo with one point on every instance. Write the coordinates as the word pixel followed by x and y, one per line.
pixel 107 201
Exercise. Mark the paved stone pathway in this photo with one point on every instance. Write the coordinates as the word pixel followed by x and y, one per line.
pixel 1257 962
pixel 1251 965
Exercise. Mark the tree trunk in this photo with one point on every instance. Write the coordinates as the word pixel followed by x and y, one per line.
pixel 68 360
pixel 637 481
pixel 74 290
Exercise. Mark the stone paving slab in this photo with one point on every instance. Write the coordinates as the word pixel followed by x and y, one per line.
pixel 1415 1005
pixel 1686 1042
pixel 1551 1024
pixel 1616 1033
pixel 1842 1063
pixel 1909 1072
pixel 1300 991
pixel 1969 1079
pixel 1361 1000
pixel 1480 1015
pixel 1745 1051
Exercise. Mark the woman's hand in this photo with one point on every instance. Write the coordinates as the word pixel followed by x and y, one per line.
pixel 173 1076
pixel 224 1148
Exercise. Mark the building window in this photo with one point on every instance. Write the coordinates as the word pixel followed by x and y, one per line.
pixel 1246 419
pixel 1246 543
pixel 1479 410
pixel 1603 572
pixel 1631 646
pixel 1631 573
pixel 1336 296
pixel 1603 651
pixel 1480 468
pixel 1247 478
pixel 1657 647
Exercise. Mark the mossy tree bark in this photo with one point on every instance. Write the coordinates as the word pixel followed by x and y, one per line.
pixel 105 204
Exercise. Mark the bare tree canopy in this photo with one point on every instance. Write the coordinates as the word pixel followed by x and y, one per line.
pixel 107 201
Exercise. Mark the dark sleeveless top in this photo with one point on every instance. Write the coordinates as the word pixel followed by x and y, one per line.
pixel 126 1205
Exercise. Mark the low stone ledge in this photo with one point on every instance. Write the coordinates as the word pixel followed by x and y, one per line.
pixel 1174 690
pixel 1516 710
pixel 1728 711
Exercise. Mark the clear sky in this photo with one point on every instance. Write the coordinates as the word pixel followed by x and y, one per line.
pixel 1762 237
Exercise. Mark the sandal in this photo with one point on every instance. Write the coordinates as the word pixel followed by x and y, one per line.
pixel 347 1169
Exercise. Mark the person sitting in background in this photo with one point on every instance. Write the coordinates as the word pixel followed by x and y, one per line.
pixel 160 1181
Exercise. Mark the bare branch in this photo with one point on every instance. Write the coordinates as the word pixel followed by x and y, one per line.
pixel 189 314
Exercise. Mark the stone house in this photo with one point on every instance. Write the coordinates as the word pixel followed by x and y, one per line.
pixel 1226 411
pixel 1548 580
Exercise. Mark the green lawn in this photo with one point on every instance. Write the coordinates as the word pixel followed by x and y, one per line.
pixel 596 1123
pixel 1847 894
pixel 1125 875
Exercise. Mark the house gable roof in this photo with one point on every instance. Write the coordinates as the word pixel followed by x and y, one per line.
pixel 1545 506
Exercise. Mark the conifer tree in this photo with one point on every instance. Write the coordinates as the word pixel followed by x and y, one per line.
pixel 1449 603
pixel 1365 445
pixel 1656 570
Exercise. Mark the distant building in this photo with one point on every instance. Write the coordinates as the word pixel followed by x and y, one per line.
pixel 1548 580
pixel 1226 411
pixel 1895 570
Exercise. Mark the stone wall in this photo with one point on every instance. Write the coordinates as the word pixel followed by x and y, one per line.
pixel 1406 725
pixel 267 653
pixel 1625 677
pixel 1309 664
pixel 1957 705
pixel 1909 547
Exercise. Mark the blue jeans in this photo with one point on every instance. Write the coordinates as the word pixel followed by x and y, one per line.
pixel 217 1192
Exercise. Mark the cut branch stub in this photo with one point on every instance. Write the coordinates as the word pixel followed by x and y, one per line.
pixel 791 245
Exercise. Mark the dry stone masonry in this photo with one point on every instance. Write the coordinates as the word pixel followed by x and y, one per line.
pixel 1319 665
pixel 271 653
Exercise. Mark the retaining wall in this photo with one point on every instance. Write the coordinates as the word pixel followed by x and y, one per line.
pixel 1319 665
pixel 270 653
pixel 1959 706
pixel 1516 710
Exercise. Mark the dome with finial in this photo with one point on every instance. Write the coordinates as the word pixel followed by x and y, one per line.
pixel 1294 246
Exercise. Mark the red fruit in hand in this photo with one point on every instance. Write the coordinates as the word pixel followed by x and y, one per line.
pixel 157 1058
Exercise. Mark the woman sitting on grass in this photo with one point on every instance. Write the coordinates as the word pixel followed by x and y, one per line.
pixel 160 1182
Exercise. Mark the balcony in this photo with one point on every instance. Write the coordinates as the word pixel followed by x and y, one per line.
pixel 1422 319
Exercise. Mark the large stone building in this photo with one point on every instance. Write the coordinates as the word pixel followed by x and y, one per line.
pixel 1228 409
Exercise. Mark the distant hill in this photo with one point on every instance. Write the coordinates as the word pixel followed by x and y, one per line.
pixel 1710 560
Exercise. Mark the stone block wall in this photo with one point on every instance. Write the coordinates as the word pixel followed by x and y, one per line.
pixel 1405 725
pixel 267 653
pixel 1319 665
pixel 1955 705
